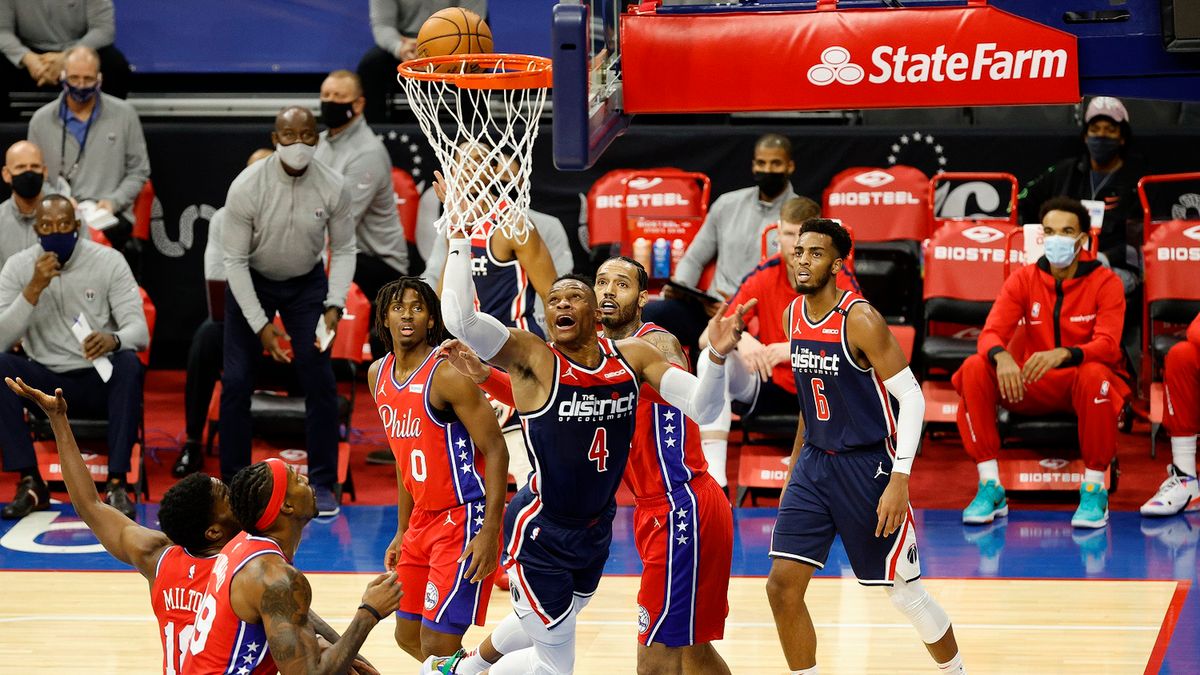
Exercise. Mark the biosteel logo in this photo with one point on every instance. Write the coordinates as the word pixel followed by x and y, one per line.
pixel 983 234
pixel 874 179
pixel 986 63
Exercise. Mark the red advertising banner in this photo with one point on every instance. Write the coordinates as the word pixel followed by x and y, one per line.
pixel 97 464
pixel 1026 470
pixel 829 59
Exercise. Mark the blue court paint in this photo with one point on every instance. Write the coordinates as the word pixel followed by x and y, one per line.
pixel 1028 544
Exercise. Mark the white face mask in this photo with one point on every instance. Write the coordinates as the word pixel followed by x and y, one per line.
pixel 297 155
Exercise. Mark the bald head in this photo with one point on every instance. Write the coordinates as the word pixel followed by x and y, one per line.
pixel 82 62
pixel 22 154
pixel 295 124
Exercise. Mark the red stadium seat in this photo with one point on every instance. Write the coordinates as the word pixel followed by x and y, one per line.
pixel 143 211
pixel 407 201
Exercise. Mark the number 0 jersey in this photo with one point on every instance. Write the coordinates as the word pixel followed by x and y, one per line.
pixel 436 457
pixel 845 407
pixel 579 440
pixel 175 596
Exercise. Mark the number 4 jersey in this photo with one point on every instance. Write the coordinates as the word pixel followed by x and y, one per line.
pixel 845 407
pixel 175 596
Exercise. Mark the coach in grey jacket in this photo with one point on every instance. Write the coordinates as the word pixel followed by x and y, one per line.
pixel 44 290
pixel 277 216
pixel 93 142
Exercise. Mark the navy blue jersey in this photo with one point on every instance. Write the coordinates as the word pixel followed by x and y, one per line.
pixel 503 288
pixel 579 440
pixel 845 407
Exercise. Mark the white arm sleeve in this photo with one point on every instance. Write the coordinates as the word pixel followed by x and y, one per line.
pixel 903 385
pixel 700 398
pixel 483 333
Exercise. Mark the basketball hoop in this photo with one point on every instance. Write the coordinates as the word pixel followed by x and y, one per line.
pixel 480 113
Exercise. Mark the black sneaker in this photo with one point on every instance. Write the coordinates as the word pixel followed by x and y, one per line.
pixel 191 460
pixel 327 503
pixel 32 495
pixel 118 498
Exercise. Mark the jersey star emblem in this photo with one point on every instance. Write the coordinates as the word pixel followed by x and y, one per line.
pixel 462 442
pixel 479 507
pixel 682 526
pixel 670 429
pixel 462 456
pixel 681 513
pixel 253 647
pixel 670 442
pixel 478 521
pixel 669 415
pixel 243 671
pixel 466 468
pixel 248 659
pixel 682 540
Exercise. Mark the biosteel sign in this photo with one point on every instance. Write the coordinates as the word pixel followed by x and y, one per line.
pixel 855 58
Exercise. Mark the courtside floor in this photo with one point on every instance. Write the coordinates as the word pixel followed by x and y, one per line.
pixel 1028 596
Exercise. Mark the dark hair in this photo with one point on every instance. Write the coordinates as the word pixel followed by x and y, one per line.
pixel 799 209
pixel 773 141
pixel 832 229
pixel 576 276
pixel 1070 205
pixel 249 492
pixel 394 290
pixel 186 511
pixel 643 279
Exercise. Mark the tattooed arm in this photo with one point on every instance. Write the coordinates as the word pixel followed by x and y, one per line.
pixel 669 345
pixel 284 597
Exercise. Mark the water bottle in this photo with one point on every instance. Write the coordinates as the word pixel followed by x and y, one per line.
pixel 662 259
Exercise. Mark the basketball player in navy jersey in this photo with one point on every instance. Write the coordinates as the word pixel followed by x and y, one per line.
pixel 577 397
pixel 852 457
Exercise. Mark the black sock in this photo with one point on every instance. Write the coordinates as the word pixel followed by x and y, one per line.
pixel 32 472
pixel 117 479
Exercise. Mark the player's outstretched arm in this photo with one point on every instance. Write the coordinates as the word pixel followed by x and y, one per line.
pixel 535 259
pixel 282 597
pixel 124 539
pixel 460 393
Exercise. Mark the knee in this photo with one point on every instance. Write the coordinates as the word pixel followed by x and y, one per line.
pixel 409 640
pixel 1094 377
pixel 976 365
pixel 914 602
pixel 434 643
pixel 1182 359
pixel 126 365
pixel 784 589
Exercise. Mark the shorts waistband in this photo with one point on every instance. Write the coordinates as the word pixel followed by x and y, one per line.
pixel 881 446
pixel 571 523
pixel 699 482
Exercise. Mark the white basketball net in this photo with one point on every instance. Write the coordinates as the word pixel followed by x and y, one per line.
pixel 483 138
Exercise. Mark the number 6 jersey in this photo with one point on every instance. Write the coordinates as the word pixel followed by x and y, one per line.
pixel 845 407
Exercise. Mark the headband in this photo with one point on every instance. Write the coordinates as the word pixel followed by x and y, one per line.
pixel 278 490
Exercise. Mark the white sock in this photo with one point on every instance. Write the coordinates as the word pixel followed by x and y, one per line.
pixel 1093 476
pixel 953 667
pixel 989 470
pixel 806 671
pixel 507 637
pixel 1183 453
pixel 472 664
pixel 715 453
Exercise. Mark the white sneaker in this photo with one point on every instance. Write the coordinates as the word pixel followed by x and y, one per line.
pixel 1178 493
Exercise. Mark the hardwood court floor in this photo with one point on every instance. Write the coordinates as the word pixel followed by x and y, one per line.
pixel 100 622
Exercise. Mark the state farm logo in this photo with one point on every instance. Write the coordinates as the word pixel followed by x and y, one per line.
pixel 874 179
pixel 983 234
pixel 835 65
pixel 644 183
pixel 897 64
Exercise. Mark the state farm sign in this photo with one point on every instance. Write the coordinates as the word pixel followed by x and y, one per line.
pixel 854 58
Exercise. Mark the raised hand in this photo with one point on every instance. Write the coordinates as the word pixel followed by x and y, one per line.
pixel 465 360
pixel 383 594
pixel 724 332
pixel 53 406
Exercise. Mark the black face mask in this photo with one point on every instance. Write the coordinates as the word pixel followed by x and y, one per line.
pixel 335 115
pixel 1103 148
pixel 770 184
pixel 28 185
pixel 81 94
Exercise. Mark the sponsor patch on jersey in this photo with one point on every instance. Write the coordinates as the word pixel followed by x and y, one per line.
pixel 416 388
pixel 643 620
pixel 431 595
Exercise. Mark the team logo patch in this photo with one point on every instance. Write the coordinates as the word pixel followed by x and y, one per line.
pixel 431 595
pixel 1104 388
pixel 643 620
pixel 911 554
pixel 1035 310
pixel 319 214
pixel 90 295
pixel 516 594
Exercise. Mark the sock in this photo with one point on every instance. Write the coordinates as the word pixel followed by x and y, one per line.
pixel 1093 476
pixel 806 671
pixel 953 667
pixel 32 472
pixel 715 452
pixel 471 664
pixel 989 470
pixel 117 479
pixel 1183 453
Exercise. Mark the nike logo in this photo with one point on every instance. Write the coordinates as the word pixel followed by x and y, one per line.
pixel 362 186
pixel 1035 323
pixel 1099 400
pixel 879 471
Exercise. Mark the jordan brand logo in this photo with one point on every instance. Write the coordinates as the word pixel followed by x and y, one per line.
pixel 879 471
pixel 449 519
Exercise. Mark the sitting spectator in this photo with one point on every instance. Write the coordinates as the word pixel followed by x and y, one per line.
pixel 44 290
pixel 394 25
pixel 1070 362
pixel 24 172
pixel 731 233
pixel 1180 491
pixel 765 349
pixel 93 142
pixel 34 37
pixel 207 351
pixel 278 215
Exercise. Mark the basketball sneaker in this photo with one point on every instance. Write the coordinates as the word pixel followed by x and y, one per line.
pixel 1177 494
pixel 1093 506
pixel 442 665
pixel 989 503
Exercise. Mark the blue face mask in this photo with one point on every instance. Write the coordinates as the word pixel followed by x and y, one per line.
pixel 1060 250
pixel 60 243
pixel 81 94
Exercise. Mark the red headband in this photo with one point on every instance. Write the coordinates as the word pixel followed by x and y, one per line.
pixel 279 474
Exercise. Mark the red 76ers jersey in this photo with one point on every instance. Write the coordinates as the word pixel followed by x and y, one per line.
pixel 176 596
pixel 436 457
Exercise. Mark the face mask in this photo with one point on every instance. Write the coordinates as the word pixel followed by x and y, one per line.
pixel 81 94
pixel 28 185
pixel 1103 149
pixel 335 115
pixel 770 184
pixel 1060 250
pixel 297 155
pixel 60 243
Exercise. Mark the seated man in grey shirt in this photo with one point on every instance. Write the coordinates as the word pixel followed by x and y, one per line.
pixel 394 25
pixel 44 291
pixel 277 216
pixel 35 35
pixel 24 172
pixel 93 141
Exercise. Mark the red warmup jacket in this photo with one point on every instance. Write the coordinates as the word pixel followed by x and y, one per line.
pixel 1193 331
pixel 1085 314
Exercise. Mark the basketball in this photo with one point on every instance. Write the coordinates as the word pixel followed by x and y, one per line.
pixel 453 30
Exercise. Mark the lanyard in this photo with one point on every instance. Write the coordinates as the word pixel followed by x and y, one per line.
pixel 1097 188
pixel 62 142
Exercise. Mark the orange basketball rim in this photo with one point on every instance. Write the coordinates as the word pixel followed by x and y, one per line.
pixel 481 71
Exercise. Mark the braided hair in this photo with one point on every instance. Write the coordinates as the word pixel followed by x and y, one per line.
pixel 249 492
pixel 394 291
pixel 186 511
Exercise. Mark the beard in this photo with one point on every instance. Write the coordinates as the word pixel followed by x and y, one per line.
pixel 815 283
pixel 623 317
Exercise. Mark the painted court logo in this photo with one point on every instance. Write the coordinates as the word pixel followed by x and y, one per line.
pixel 835 65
